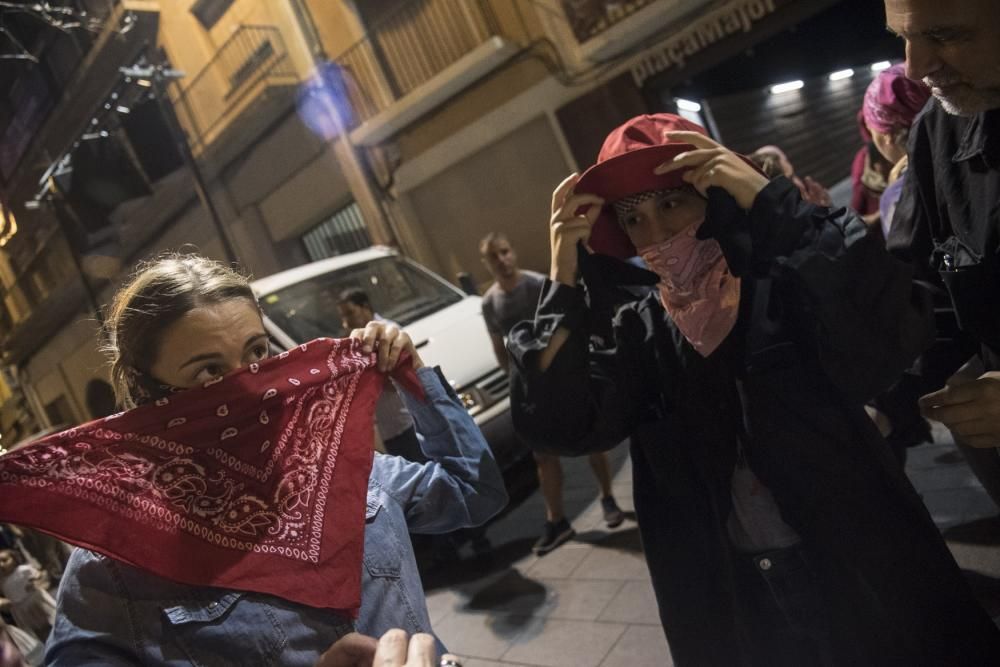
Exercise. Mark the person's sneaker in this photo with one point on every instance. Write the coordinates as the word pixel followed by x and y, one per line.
pixel 613 515
pixel 553 535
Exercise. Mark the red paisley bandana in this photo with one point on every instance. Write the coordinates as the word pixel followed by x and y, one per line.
pixel 255 483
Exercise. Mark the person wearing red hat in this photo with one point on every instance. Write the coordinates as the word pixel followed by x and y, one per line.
pixel 776 526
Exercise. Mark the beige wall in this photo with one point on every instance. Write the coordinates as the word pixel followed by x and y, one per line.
pixel 519 22
pixel 506 186
pixel 338 25
pixel 303 200
pixel 470 106
pixel 523 21
pixel 83 365
pixel 65 364
pixel 191 48
pixel 192 231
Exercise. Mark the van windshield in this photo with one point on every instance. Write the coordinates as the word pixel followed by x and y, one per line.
pixel 397 290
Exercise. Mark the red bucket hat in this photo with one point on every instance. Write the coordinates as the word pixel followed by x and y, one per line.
pixel 625 167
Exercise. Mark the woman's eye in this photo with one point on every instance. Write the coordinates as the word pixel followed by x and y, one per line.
pixel 209 372
pixel 259 352
pixel 668 203
pixel 631 221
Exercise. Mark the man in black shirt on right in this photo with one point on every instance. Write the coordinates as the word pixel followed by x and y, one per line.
pixel 948 222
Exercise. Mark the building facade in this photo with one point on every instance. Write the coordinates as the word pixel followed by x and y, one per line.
pixel 277 132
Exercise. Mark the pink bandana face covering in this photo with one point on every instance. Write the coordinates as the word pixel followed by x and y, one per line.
pixel 696 287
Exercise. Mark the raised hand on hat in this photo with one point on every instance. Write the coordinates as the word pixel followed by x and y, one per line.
pixel 573 216
pixel 711 163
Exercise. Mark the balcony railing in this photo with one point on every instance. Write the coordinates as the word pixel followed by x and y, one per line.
pixel 253 55
pixel 410 46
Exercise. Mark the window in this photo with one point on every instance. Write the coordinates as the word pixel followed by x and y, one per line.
pixel 344 231
pixel 398 290
pixel 208 12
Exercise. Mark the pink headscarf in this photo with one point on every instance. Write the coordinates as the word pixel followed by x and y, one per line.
pixel 892 101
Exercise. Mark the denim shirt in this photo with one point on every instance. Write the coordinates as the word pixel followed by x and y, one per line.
pixel 110 613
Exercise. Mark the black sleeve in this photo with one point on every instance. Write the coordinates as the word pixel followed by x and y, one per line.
pixel 862 315
pixel 578 404
pixel 911 238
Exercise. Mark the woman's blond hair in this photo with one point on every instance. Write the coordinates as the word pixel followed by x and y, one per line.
pixel 160 292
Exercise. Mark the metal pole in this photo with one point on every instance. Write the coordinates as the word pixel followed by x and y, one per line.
pixel 65 217
pixel 357 158
pixel 309 29
pixel 160 92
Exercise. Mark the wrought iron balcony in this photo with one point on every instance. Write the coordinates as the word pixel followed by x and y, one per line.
pixel 411 46
pixel 253 59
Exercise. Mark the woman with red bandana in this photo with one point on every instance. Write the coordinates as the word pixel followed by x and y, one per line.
pixel 776 527
pixel 235 513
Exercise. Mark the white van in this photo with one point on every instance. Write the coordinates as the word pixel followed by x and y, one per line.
pixel 445 323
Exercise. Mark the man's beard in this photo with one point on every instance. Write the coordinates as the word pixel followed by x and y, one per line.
pixel 960 99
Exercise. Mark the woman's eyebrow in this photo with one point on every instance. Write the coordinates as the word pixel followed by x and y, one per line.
pixel 253 339
pixel 199 357
pixel 215 355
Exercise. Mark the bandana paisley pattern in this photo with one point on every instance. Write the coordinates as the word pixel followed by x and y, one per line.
pixel 696 287
pixel 261 472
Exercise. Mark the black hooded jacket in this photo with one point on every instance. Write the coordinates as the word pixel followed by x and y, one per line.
pixel 827 320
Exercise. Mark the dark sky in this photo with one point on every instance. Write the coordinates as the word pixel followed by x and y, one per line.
pixel 849 34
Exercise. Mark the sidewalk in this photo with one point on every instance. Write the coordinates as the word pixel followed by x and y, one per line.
pixel 590 603
pixel 587 603
pixel 962 510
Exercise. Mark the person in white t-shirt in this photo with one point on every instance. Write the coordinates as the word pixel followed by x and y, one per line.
pixel 510 299
pixel 394 423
